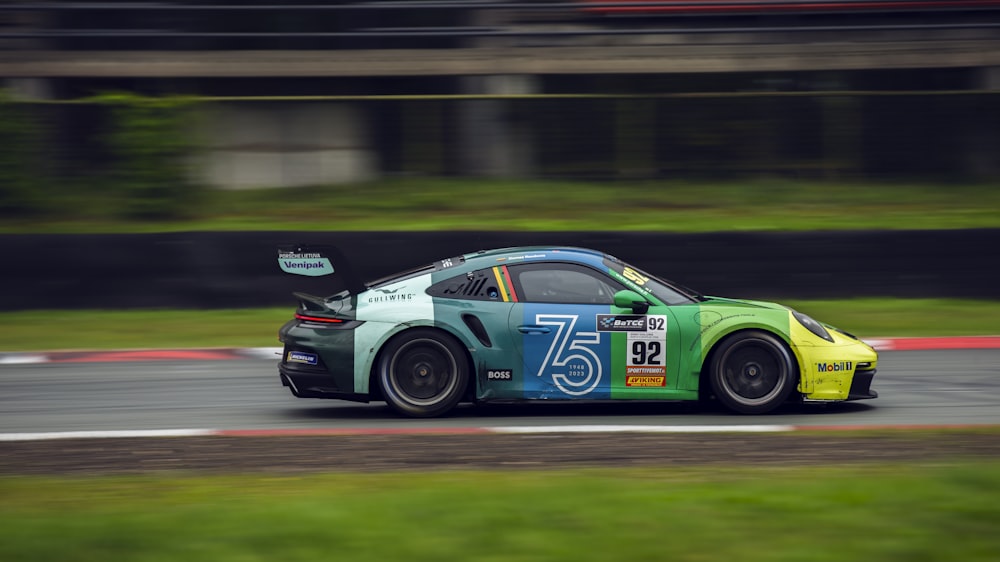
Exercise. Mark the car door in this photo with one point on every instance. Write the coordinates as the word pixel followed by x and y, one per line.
pixel 563 353
pixel 575 344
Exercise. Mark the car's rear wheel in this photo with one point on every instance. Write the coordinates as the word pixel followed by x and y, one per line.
pixel 423 373
pixel 752 372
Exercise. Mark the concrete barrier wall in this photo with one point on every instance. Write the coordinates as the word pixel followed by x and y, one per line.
pixel 240 269
pixel 255 144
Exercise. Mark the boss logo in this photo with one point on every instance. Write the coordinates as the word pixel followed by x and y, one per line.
pixel 499 374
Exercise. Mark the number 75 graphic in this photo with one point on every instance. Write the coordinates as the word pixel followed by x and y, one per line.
pixel 575 367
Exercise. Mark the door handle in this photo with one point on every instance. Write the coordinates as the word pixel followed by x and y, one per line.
pixel 533 329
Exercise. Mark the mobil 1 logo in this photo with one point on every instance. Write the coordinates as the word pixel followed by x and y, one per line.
pixel 646 346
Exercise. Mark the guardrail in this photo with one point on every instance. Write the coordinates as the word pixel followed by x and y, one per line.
pixel 239 269
pixel 451 24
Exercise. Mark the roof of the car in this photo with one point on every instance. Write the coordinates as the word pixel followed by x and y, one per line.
pixel 561 253
pixel 489 258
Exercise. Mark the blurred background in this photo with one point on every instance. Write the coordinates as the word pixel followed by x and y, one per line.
pixel 581 116
pixel 265 94
pixel 154 155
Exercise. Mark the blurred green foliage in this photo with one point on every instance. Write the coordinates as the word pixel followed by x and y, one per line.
pixel 143 173
pixel 151 146
pixel 22 177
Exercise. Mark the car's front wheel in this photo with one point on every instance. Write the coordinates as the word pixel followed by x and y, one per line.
pixel 423 373
pixel 752 372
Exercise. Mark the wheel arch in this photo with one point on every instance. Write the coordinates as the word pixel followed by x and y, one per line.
pixel 704 384
pixel 375 391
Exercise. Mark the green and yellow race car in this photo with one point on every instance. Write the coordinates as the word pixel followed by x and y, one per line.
pixel 541 323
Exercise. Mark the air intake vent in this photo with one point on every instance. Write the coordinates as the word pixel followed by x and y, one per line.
pixel 477 328
pixel 475 287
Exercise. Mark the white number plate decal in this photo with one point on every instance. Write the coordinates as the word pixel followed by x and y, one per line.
pixel 646 346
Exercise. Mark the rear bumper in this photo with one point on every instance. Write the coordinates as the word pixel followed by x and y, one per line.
pixel 309 383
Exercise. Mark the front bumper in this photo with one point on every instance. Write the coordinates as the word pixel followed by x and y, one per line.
pixel 861 385
pixel 842 370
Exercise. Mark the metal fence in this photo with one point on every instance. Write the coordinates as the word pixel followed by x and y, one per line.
pixel 423 24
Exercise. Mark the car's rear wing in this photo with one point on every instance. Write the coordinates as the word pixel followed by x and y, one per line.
pixel 317 261
pixel 302 261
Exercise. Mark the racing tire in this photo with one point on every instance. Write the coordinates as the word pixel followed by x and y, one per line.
pixel 423 373
pixel 752 372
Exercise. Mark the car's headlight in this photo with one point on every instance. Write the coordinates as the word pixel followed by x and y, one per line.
pixel 813 326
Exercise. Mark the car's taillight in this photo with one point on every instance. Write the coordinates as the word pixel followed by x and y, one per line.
pixel 319 319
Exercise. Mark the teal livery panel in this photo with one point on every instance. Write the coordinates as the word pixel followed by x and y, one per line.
pixel 565 356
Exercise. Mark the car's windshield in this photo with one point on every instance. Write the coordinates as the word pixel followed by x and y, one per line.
pixel 666 291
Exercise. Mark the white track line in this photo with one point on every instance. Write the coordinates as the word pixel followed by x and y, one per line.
pixel 107 434
pixel 643 429
pixel 22 358
pixel 539 429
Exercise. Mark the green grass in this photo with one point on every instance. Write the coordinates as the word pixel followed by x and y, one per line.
pixel 36 330
pixel 39 330
pixel 944 512
pixel 476 204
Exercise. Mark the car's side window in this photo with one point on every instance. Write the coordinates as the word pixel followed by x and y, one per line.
pixel 563 283
pixel 481 285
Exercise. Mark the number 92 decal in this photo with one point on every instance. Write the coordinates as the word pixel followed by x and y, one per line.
pixel 646 341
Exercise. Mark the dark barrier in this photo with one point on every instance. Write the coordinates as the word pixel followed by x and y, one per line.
pixel 240 269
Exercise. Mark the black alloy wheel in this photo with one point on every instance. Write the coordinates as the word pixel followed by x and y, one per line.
pixel 753 372
pixel 423 373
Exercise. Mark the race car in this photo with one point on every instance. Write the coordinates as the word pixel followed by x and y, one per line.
pixel 546 323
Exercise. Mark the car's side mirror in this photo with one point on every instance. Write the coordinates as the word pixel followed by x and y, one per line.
pixel 632 300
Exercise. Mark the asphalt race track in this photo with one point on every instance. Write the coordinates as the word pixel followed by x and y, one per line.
pixel 917 388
